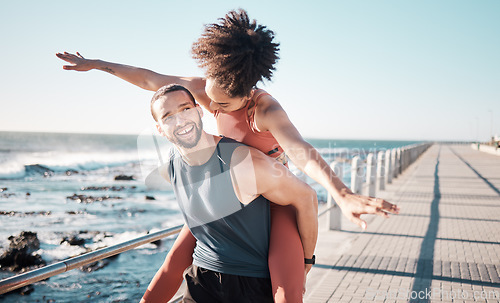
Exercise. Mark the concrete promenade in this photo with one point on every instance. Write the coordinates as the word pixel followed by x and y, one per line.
pixel 444 246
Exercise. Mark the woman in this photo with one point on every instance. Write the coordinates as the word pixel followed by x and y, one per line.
pixel 236 54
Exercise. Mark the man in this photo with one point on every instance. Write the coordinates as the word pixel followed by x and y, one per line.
pixel 223 188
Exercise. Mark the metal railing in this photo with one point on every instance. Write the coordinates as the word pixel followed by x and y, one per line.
pixel 48 271
pixel 370 176
pixel 402 158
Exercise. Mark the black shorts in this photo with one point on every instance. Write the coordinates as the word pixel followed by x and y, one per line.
pixel 208 286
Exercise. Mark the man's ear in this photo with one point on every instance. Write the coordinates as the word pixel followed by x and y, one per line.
pixel 159 129
pixel 200 110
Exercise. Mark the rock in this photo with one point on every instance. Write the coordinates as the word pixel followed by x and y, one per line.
pixel 23 214
pixel 39 170
pixel 26 290
pixel 112 188
pixel 124 178
pixel 20 255
pixel 73 240
pixel 95 265
pixel 8 213
pixel 70 172
pixel 27 240
pixel 79 212
pixel 150 198
pixel 90 199
pixel 32 213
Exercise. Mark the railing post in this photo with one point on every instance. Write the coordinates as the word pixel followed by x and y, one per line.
pixel 388 167
pixel 404 157
pixel 409 152
pixel 398 161
pixel 408 158
pixel 334 215
pixel 394 160
pixel 356 175
pixel 371 166
pixel 380 170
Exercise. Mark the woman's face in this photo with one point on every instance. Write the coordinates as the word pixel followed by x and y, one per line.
pixel 220 100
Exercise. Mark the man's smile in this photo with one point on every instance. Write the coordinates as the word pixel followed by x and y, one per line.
pixel 185 130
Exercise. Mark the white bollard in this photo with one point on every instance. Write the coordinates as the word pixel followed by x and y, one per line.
pixel 356 173
pixel 380 170
pixel 371 173
pixel 398 161
pixel 393 162
pixel 388 167
pixel 404 155
pixel 407 157
pixel 335 214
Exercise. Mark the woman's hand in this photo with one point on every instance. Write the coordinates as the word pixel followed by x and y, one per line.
pixel 79 63
pixel 353 206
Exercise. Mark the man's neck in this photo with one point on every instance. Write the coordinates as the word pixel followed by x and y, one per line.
pixel 202 152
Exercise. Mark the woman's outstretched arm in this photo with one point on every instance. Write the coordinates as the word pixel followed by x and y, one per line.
pixel 144 78
pixel 270 116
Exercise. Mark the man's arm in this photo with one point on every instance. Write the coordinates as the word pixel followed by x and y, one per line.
pixel 144 78
pixel 279 185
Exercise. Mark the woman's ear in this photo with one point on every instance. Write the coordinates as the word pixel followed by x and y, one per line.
pixel 252 93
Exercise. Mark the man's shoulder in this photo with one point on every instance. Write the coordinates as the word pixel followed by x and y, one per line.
pixel 251 160
pixel 233 148
pixel 226 141
pixel 227 148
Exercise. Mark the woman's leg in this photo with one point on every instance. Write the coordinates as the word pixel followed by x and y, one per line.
pixel 286 255
pixel 169 277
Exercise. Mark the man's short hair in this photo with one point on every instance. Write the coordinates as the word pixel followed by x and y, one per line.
pixel 237 53
pixel 168 89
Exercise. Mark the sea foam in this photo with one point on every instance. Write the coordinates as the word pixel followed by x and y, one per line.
pixel 20 165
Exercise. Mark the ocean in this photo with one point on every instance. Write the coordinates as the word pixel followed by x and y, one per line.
pixel 63 185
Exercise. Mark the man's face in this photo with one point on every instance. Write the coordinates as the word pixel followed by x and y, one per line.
pixel 179 119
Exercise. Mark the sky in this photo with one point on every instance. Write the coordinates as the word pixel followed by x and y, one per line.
pixel 372 69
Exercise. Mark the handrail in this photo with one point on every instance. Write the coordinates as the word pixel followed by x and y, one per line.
pixel 324 211
pixel 48 271
pixel 380 168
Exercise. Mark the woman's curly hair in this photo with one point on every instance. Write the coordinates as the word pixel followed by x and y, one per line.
pixel 237 53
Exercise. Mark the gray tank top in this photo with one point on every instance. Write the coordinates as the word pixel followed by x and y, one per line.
pixel 232 238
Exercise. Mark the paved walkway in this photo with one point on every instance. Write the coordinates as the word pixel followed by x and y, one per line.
pixel 444 246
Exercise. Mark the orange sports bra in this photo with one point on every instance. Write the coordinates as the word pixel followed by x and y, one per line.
pixel 240 126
